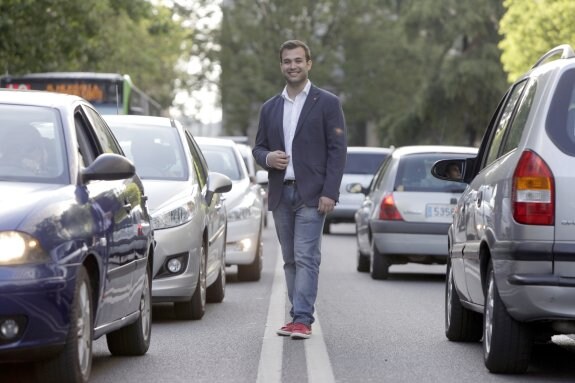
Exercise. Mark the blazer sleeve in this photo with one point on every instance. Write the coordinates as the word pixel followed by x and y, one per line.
pixel 336 138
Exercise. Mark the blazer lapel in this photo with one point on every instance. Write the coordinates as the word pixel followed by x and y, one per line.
pixel 278 117
pixel 310 102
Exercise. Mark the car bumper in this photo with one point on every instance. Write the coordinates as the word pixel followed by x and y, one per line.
pixel 39 298
pixel 407 238
pixel 243 241
pixel 175 242
pixel 342 214
pixel 531 291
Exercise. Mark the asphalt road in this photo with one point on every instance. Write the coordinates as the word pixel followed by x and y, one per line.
pixel 366 331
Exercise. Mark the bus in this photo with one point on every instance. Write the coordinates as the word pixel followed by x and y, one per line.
pixel 110 93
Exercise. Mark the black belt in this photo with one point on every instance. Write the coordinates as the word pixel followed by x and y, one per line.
pixel 289 182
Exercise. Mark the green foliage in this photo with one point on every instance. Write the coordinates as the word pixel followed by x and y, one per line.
pixel 125 36
pixel 421 71
pixel 531 28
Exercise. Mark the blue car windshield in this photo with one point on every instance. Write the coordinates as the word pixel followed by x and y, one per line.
pixel 31 145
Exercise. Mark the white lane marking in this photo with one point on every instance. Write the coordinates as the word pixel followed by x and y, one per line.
pixel 319 368
pixel 270 365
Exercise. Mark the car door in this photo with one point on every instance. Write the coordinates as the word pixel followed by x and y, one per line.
pixel 117 209
pixel 490 188
pixel 215 212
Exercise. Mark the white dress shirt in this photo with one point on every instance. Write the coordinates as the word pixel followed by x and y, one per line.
pixel 292 111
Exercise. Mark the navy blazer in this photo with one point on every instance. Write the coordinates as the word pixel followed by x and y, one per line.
pixel 319 146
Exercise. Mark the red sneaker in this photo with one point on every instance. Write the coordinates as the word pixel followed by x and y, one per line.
pixel 300 331
pixel 285 330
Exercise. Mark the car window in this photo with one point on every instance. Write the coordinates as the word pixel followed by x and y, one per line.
pixel 105 136
pixel 560 122
pixel 32 145
pixel 414 174
pixel 500 129
pixel 222 160
pixel 200 167
pixel 518 124
pixel 363 163
pixel 376 181
pixel 157 151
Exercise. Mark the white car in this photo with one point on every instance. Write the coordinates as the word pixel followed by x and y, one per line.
pixel 188 217
pixel 406 211
pixel 361 164
pixel 244 204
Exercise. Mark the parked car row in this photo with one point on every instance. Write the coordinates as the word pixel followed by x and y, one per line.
pixel 101 217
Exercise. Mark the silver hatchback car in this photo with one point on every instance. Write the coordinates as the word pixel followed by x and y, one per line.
pixel 512 239
pixel 406 211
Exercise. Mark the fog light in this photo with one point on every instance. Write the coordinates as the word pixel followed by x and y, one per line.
pixel 9 328
pixel 174 265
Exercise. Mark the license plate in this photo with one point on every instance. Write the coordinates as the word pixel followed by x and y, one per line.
pixel 439 210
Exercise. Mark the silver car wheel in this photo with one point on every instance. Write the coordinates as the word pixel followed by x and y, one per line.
pixel 488 319
pixel 145 307
pixel 83 324
pixel 449 297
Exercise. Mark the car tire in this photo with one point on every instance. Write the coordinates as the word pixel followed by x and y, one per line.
pixel 379 265
pixel 507 343
pixel 363 262
pixel 196 306
pixel 74 362
pixel 134 339
pixel 217 291
pixel 253 271
pixel 461 324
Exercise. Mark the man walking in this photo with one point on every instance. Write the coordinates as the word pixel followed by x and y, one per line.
pixel 302 142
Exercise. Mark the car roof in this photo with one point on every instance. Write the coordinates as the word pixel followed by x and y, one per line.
pixel 368 149
pixel 417 149
pixel 138 119
pixel 37 98
pixel 215 141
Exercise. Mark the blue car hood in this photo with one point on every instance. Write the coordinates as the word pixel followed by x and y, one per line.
pixel 19 199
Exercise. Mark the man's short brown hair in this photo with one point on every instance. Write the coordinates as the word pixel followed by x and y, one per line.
pixel 293 44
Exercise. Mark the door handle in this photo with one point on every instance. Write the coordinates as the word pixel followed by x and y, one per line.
pixel 479 198
pixel 128 207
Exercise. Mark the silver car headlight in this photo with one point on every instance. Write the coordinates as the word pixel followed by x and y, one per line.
pixel 174 217
pixel 20 248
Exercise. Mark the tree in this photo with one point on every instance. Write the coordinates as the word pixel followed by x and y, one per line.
pixel 462 75
pixel 421 72
pixel 531 28
pixel 125 36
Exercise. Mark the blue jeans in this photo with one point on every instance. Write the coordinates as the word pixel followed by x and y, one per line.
pixel 299 229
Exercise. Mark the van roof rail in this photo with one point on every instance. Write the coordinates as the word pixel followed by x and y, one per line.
pixel 565 50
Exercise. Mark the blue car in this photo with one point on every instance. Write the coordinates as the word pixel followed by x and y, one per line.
pixel 76 244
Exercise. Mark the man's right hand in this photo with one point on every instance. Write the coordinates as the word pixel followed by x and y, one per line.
pixel 278 160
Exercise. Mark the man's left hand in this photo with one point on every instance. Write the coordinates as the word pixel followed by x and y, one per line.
pixel 326 205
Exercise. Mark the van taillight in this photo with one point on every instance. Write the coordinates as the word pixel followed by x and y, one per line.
pixel 387 209
pixel 533 191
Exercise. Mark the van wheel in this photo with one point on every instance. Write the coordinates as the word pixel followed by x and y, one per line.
pixel 507 343
pixel 461 324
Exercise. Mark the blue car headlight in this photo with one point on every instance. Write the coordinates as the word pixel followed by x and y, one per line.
pixel 20 248
pixel 173 217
